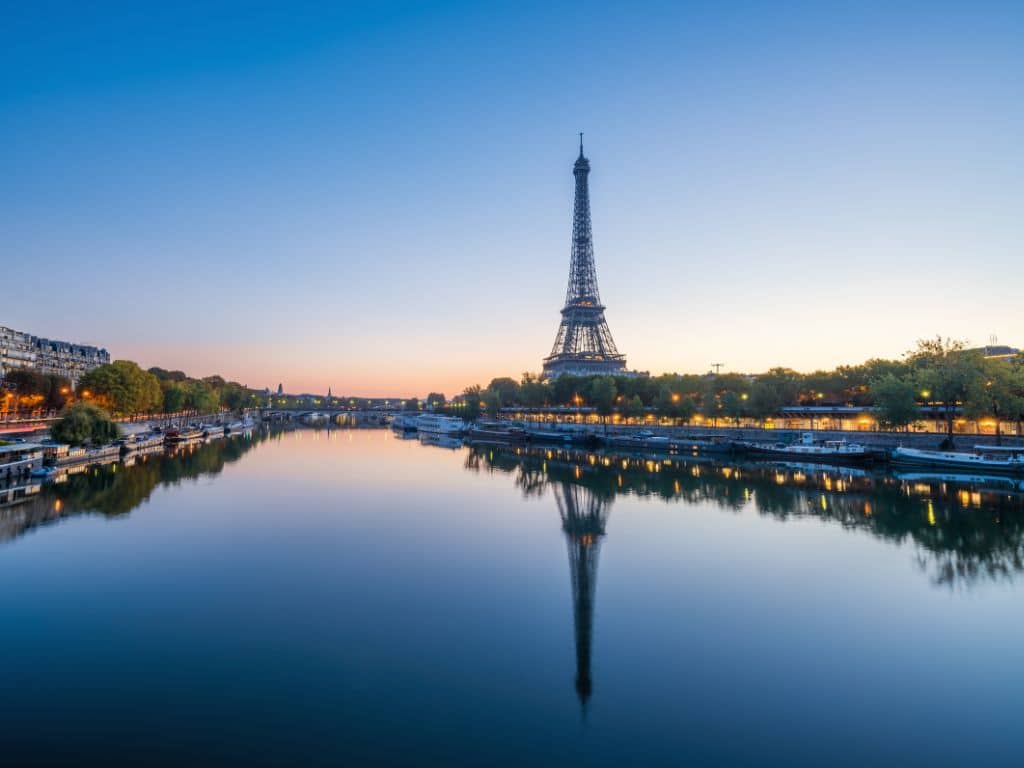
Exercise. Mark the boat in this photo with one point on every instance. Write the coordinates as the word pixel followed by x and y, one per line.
pixel 440 425
pixel 483 431
pixel 806 448
pixel 20 458
pixel 990 458
pixel 140 442
pixel 182 434
pixel 237 427
pixel 405 422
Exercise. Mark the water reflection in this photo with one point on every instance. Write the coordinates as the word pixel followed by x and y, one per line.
pixel 584 514
pixel 964 528
pixel 117 488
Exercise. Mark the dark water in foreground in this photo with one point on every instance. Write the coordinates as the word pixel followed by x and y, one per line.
pixel 349 598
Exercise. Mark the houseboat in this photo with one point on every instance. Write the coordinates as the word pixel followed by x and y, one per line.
pixel 987 458
pixel 806 448
pixel 97 455
pixel 237 427
pixel 434 424
pixel 405 422
pixel 20 459
pixel 140 442
pixel 484 431
pixel 182 434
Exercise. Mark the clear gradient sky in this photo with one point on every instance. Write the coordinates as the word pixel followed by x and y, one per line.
pixel 377 197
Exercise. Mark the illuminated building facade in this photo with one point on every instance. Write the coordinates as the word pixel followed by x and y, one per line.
pixel 61 358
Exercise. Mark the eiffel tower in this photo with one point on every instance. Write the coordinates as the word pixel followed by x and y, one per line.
pixel 584 345
pixel 584 514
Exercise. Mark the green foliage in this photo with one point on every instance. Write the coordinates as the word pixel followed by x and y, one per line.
pixel 947 372
pixel 200 397
pixel 174 396
pixel 945 369
pixel 470 409
pixel 764 399
pixel 601 394
pixel 710 406
pixel 686 409
pixel 54 390
pixel 122 387
pixel 895 401
pixel 84 423
pixel 733 406
pixel 492 402
pixel 505 388
pixel 633 407
pixel 998 393
pixel 165 375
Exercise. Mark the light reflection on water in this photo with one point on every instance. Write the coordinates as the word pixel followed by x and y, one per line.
pixel 328 585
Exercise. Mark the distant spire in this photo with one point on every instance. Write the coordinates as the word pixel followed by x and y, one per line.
pixel 581 143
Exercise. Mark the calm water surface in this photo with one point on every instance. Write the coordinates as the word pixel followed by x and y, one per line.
pixel 351 598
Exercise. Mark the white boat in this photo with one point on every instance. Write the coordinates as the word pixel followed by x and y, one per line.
pixel 20 458
pixel 237 427
pixel 440 425
pixel 405 422
pixel 141 442
pixel 808 449
pixel 991 458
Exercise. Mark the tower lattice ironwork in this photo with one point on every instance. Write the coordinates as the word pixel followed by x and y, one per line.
pixel 584 514
pixel 583 345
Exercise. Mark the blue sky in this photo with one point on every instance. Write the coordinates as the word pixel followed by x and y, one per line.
pixel 377 197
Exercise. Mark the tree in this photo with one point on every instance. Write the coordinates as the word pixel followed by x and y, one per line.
pixel 602 394
pixel 533 392
pixel 948 372
pixel 709 406
pixel 506 388
pixel 764 400
pixel 895 402
pixel 165 375
pixel 200 397
pixel 686 408
pixel 435 400
pixel 492 402
pixel 122 387
pixel 634 407
pixel 84 423
pixel 412 404
pixel 46 390
pixel 785 383
pixel 235 397
pixel 998 393
pixel 174 397
pixel 733 406
pixel 471 402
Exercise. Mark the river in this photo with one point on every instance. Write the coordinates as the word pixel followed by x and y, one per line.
pixel 348 597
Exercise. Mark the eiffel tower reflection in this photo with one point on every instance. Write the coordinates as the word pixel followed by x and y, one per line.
pixel 584 514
